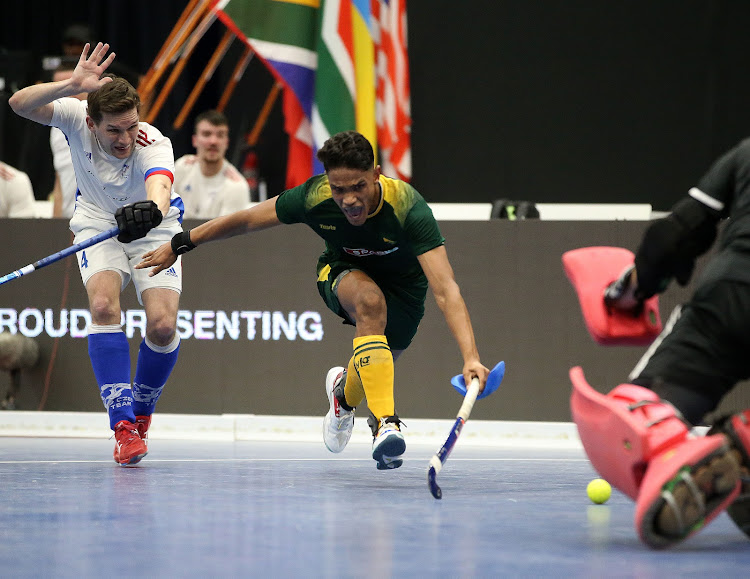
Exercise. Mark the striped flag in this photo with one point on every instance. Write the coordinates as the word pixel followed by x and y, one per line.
pixel 283 34
pixel 393 108
pixel 345 79
pixel 344 67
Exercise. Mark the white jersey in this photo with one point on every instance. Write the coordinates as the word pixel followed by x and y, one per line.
pixel 63 164
pixel 209 197
pixel 105 182
pixel 16 193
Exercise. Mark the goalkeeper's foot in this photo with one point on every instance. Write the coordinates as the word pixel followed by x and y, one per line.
pixel 339 422
pixel 737 430
pixel 388 443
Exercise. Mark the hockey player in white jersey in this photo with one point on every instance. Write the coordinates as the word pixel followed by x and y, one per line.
pixel 125 171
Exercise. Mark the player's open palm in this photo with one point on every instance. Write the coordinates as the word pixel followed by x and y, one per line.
pixel 159 259
pixel 88 71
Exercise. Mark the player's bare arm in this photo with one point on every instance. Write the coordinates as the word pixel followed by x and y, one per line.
pixel 261 216
pixel 57 195
pixel 159 190
pixel 35 102
pixel 439 272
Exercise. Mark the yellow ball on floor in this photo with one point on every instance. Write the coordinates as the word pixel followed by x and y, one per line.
pixel 599 491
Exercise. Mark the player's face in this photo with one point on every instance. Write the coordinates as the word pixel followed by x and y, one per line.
pixel 117 132
pixel 211 141
pixel 356 192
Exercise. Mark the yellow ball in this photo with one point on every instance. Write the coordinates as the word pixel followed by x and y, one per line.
pixel 599 491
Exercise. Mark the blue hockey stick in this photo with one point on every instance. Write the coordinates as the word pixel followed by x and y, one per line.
pixel 60 255
pixel 437 461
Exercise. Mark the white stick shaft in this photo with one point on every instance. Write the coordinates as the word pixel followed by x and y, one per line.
pixel 469 399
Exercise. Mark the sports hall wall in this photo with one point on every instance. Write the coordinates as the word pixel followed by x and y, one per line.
pixel 257 338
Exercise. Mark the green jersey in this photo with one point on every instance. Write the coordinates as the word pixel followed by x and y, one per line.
pixel 385 247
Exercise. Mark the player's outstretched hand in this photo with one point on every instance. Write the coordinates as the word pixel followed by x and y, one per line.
pixel 159 259
pixel 136 220
pixel 88 71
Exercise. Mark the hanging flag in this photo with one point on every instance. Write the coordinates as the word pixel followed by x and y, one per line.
pixel 283 34
pixel 393 109
pixel 345 79
pixel 344 67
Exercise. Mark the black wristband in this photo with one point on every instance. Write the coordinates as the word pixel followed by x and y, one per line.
pixel 181 243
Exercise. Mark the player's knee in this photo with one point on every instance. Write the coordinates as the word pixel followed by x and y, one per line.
pixel 370 305
pixel 104 310
pixel 161 331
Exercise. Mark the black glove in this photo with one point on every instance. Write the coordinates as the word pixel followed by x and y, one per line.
pixel 136 220
pixel 621 293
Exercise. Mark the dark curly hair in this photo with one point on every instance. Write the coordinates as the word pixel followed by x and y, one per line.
pixel 349 150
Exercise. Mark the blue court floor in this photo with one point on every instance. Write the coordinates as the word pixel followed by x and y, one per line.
pixel 268 509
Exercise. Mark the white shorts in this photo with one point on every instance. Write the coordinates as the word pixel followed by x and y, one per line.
pixel 111 255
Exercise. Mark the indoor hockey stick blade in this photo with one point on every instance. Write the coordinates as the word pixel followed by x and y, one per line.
pixel 493 381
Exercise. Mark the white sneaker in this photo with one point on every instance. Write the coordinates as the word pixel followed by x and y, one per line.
pixel 388 445
pixel 339 422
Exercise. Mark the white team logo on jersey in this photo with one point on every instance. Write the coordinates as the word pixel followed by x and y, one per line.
pixel 368 252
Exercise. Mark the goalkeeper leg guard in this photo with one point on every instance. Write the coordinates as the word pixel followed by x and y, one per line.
pixel 737 430
pixel 639 443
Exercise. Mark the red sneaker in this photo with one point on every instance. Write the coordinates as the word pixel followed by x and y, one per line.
pixel 129 447
pixel 142 423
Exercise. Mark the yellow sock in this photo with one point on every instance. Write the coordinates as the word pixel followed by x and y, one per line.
pixel 373 362
pixel 353 391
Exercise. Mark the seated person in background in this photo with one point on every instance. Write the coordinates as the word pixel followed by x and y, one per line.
pixel 16 193
pixel 64 191
pixel 208 184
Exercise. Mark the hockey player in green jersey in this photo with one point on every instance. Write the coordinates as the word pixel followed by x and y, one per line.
pixel 383 248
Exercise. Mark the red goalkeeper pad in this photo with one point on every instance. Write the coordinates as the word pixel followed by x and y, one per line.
pixel 591 270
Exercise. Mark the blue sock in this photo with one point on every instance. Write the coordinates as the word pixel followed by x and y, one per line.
pixel 110 357
pixel 155 364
